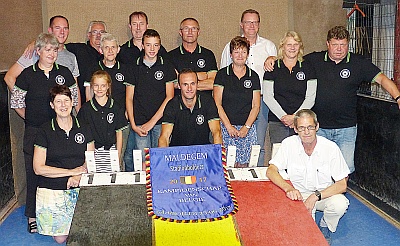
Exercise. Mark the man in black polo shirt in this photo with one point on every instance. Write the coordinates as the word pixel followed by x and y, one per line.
pixel 132 49
pixel 190 117
pixel 147 97
pixel 191 55
pixel 88 54
pixel 339 74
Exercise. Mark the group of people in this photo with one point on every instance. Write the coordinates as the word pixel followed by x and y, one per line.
pixel 146 97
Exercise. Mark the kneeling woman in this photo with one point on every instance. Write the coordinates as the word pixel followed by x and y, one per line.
pixel 59 160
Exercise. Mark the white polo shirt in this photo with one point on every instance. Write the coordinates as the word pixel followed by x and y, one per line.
pixel 259 52
pixel 310 173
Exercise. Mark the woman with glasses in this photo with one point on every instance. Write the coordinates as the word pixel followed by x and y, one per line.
pixel 237 96
pixel 290 87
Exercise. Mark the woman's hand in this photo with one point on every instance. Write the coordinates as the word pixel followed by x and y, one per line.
pixel 233 133
pixel 243 132
pixel 73 181
pixel 78 170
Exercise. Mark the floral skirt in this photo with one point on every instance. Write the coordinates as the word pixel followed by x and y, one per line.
pixel 54 210
pixel 243 145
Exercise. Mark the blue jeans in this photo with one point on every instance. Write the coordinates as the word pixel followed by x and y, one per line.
pixel 128 155
pixel 345 138
pixel 137 142
pixel 261 127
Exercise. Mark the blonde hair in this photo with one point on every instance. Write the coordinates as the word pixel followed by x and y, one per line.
pixel 297 38
pixel 101 74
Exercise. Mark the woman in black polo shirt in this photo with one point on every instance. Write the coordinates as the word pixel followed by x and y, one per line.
pixel 59 161
pixel 290 87
pixel 237 96
pixel 31 100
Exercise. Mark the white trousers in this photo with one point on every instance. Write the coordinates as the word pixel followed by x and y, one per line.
pixel 333 207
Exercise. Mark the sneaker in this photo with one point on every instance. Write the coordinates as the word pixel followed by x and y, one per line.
pixel 327 234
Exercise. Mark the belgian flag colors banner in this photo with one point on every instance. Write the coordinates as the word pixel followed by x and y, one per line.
pixel 189 184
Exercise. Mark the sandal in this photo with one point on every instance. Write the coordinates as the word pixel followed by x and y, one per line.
pixel 32 227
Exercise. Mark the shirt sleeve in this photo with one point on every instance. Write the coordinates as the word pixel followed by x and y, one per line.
pixel 169 116
pixel 226 57
pixel 280 159
pixel 219 81
pixel 26 61
pixel 75 70
pixel 41 139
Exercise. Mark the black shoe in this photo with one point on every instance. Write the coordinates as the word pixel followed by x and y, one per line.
pixel 32 227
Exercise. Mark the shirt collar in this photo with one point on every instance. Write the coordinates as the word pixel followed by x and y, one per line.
pixel 103 66
pixel 346 59
pixel 56 127
pixel 197 105
pixel 229 71
pixel 183 51
pixel 36 68
pixel 159 61
pixel 95 105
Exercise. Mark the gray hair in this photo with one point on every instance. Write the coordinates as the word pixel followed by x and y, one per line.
pixel 305 113
pixel 94 23
pixel 46 38
pixel 108 37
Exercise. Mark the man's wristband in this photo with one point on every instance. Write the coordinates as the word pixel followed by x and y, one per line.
pixel 397 98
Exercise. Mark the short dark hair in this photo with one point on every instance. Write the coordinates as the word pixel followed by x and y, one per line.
pixel 151 33
pixel 138 13
pixel 186 71
pixel 239 42
pixel 338 32
pixel 57 16
pixel 192 19
pixel 250 11
pixel 60 90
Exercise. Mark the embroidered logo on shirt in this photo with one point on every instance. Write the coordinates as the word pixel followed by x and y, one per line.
pixel 60 80
pixel 110 118
pixel 159 75
pixel 119 77
pixel 79 138
pixel 300 76
pixel 200 119
pixel 345 73
pixel 247 84
pixel 201 63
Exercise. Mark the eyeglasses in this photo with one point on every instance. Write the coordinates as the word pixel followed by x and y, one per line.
pixel 248 23
pixel 303 128
pixel 97 32
pixel 193 29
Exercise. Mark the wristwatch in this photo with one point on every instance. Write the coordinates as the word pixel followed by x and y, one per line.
pixel 318 194
pixel 247 126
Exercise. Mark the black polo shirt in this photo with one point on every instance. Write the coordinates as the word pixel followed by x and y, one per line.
pixel 104 121
pixel 336 100
pixel 237 96
pixel 150 83
pixel 61 150
pixel 129 53
pixel 201 60
pixel 120 74
pixel 289 87
pixel 35 83
pixel 190 127
pixel 87 58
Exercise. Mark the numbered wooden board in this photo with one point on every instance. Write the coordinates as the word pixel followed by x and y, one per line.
pixel 250 174
pixel 120 178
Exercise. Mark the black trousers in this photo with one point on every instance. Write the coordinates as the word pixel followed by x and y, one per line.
pixel 31 177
